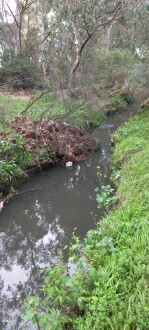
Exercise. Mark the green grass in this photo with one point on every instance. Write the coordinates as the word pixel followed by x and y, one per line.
pixel 131 138
pixel 123 293
pixel 9 108
pixel 109 289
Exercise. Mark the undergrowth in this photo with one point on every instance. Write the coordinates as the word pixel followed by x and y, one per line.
pixel 14 159
pixel 109 286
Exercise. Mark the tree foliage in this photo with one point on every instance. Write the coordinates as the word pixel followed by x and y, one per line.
pixel 17 70
pixel 56 35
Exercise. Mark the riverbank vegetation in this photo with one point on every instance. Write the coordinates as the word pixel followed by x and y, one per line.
pixel 14 159
pixel 109 286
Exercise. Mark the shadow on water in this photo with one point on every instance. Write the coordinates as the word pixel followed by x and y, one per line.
pixel 36 225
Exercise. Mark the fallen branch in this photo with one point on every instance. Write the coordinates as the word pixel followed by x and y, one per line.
pixel 25 191
pixel 6 199
pixel 33 100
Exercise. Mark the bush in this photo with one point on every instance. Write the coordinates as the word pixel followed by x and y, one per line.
pixel 113 67
pixel 10 175
pixel 141 73
pixel 140 79
pixel 118 102
pixel 14 160
pixel 18 70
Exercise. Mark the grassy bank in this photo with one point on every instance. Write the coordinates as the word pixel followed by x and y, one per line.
pixel 109 289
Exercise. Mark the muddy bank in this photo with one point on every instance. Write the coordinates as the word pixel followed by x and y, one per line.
pixel 65 142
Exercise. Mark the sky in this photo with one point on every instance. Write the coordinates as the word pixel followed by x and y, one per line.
pixel 11 4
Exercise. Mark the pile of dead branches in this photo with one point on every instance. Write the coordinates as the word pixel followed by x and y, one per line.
pixel 68 142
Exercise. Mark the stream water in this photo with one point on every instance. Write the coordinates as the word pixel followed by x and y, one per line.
pixel 36 225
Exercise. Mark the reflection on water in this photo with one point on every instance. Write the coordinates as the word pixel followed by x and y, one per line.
pixel 36 225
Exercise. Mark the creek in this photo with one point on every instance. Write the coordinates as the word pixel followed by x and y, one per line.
pixel 36 225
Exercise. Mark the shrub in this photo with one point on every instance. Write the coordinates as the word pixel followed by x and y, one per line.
pixel 18 70
pixel 10 175
pixel 113 67
pixel 14 160
pixel 141 73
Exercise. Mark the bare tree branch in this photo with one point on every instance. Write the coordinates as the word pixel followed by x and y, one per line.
pixel 33 100
pixel 13 15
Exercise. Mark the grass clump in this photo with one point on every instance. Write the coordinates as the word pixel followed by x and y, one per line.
pixel 109 287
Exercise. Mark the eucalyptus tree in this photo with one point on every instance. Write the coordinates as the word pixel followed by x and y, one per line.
pixel 56 34
pixel 80 25
pixel 82 20
pixel 130 29
pixel 63 31
pixel 19 42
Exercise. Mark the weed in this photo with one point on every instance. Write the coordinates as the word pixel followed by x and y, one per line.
pixel 46 155
pixel 104 197
pixel 14 160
